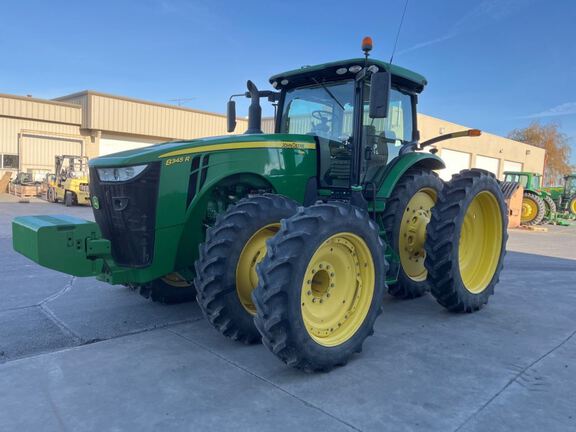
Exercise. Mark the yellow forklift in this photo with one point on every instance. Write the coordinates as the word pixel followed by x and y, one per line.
pixel 71 185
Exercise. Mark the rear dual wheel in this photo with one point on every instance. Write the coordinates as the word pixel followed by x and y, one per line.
pixel 321 286
pixel 466 241
pixel 550 207
pixel 407 213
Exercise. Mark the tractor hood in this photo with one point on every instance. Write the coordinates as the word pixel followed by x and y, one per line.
pixel 201 145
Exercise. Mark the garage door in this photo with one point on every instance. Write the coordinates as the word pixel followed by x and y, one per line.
pixel 488 163
pixel 113 145
pixel 512 166
pixel 455 162
pixel 38 151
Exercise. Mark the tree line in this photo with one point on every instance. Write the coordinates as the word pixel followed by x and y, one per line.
pixel 556 144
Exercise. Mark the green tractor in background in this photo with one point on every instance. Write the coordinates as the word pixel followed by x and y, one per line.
pixel 564 196
pixel 537 204
pixel 292 238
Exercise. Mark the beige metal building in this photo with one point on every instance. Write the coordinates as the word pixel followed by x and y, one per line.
pixel 490 152
pixel 33 131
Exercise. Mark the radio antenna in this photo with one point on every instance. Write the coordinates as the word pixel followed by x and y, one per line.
pixel 398 32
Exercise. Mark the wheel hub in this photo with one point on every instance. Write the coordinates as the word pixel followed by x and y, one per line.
pixel 337 289
pixel 415 232
pixel 415 218
pixel 529 210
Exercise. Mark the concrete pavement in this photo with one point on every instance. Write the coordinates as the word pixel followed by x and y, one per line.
pixel 77 354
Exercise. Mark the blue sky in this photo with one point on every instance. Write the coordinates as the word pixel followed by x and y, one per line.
pixel 491 64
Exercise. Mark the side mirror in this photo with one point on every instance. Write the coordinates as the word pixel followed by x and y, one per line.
pixel 379 94
pixel 231 115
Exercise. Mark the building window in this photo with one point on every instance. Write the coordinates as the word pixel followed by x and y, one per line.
pixel 10 161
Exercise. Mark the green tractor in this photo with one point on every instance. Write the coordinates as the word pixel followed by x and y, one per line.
pixel 537 204
pixel 292 238
pixel 564 196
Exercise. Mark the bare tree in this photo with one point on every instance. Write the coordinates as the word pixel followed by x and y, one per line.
pixel 554 142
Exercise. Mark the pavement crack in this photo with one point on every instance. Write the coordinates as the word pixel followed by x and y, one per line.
pixel 96 340
pixel 60 293
pixel 60 324
pixel 267 381
pixel 57 321
pixel 33 306
pixel 48 299
pixel 515 379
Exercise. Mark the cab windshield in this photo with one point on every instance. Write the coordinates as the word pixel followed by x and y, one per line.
pixel 517 178
pixel 326 111
pixel 571 184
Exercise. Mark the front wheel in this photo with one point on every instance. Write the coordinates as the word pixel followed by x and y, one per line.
pixel 68 199
pixel 50 195
pixel 170 289
pixel 466 241
pixel 226 267
pixel 321 286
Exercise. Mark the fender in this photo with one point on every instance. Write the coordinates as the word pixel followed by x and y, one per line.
pixel 396 169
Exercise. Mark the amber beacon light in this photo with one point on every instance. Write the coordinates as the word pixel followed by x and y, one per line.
pixel 367 44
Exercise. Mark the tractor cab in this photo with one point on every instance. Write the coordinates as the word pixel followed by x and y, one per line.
pixel 528 180
pixel 361 115
pixel 336 103
pixel 570 185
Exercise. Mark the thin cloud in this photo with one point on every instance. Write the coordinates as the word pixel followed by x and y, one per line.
pixel 428 43
pixel 494 10
pixel 559 110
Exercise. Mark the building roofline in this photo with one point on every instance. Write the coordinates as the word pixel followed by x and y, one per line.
pixel 483 131
pixel 135 100
pixel 45 101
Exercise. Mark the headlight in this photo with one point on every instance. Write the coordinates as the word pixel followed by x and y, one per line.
pixel 120 174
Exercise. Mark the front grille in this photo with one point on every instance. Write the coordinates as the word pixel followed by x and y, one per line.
pixel 126 215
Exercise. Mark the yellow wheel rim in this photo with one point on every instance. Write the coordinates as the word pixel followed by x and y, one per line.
pixel 573 206
pixel 480 242
pixel 175 280
pixel 529 210
pixel 253 252
pixel 337 289
pixel 413 233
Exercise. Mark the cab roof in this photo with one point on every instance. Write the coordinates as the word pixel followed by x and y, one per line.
pixel 327 72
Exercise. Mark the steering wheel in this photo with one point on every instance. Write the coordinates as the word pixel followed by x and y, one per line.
pixel 322 115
